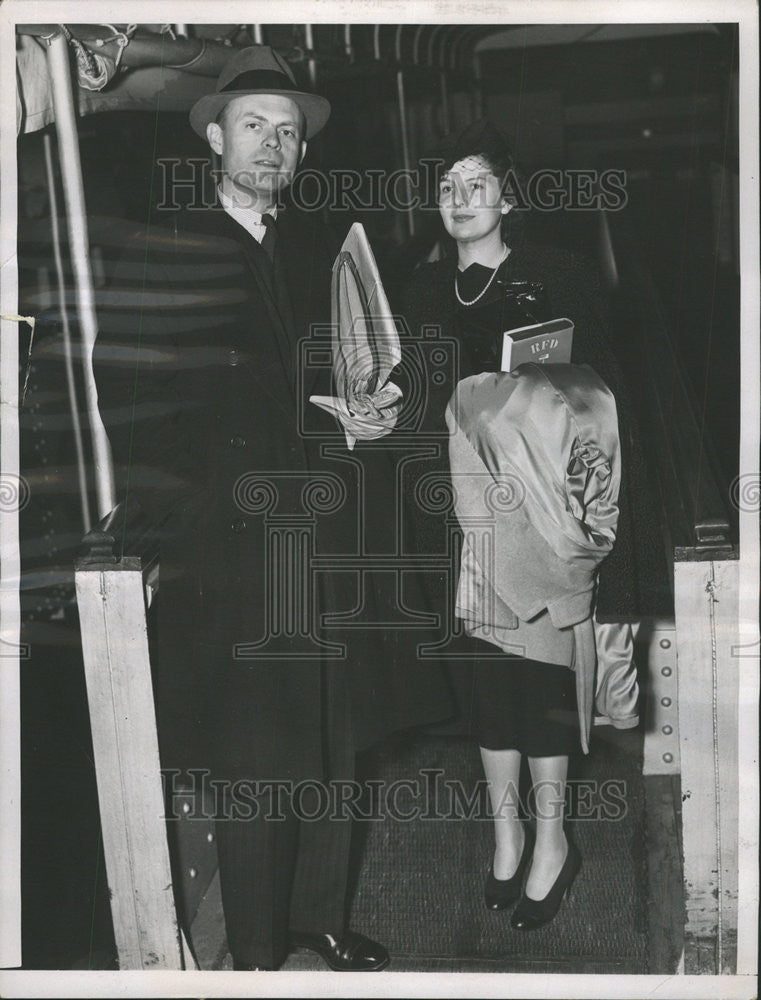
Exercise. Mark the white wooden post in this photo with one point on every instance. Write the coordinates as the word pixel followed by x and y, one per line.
pixel 707 626
pixel 119 691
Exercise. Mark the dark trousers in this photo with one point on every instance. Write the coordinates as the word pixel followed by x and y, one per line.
pixel 290 873
pixel 282 874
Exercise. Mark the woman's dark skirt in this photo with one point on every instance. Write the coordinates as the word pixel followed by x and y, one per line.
pixel 525 705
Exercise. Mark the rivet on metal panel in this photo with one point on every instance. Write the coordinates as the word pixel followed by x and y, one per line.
pixel 665 702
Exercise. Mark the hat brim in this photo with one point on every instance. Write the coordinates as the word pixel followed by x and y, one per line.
pixel 316 109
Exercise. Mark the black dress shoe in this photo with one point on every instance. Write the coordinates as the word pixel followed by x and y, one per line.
pixel 499 893
pixel 531 914
pixel 351 952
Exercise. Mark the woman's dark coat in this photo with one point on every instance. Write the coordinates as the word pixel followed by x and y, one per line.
pixel 204 382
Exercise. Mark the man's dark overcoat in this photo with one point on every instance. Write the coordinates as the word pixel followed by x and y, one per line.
pixel 203 391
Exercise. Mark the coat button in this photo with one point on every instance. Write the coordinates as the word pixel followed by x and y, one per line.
pixel 233 357
pixel 238 441
pixel 238 525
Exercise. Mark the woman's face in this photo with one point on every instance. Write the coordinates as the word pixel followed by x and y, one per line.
pixel 470 200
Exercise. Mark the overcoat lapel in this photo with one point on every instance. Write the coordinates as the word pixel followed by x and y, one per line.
pixel 308 286
pixel 306 280
pixel 262 271
pixel 217 222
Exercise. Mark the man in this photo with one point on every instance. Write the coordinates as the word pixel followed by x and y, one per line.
pixel 197 370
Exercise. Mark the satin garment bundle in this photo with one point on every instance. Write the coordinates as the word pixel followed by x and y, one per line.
pixel 536 469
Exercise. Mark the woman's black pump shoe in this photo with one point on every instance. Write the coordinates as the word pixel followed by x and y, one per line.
pixel 531 914
pixel 500 893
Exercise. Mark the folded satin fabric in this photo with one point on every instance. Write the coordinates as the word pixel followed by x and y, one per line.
pixel 365 345
pixel 617 688
pixel 536 469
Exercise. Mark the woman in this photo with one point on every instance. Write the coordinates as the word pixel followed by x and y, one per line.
pixel 519 705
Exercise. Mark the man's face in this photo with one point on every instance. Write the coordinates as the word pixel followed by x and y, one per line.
pixel 259 142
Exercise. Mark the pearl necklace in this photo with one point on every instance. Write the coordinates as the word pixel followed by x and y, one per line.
pixel 484 290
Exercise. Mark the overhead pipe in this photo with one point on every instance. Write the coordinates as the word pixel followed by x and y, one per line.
pixel 474 36
pixel 416 45
pixel 67 352
pixel 311 61
pixel 478 94
pixel 402 108
pixel 606 253
pixel 398 43
pixel 444 96
pixel 73 189
pixel 443 45
pixel 431 40
pixel 444 73
pixel 199 56
pixel 460 41
pixel 416 48
pixel 420 54
pixel 403 128
pixel 453 51
pixel 416 57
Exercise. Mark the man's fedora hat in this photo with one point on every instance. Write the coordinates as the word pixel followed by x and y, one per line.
pixel 258 70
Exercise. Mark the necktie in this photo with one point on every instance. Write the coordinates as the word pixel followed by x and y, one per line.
pixel 270 236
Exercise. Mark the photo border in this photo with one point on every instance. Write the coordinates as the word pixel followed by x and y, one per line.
pixel 80 984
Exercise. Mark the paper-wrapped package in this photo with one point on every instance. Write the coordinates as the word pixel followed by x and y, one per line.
pixel 365 345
